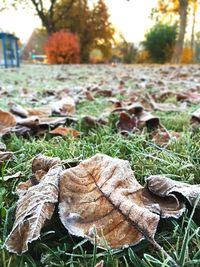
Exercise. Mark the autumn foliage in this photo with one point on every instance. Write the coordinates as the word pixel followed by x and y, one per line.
pixel 63 48
pixel 187 55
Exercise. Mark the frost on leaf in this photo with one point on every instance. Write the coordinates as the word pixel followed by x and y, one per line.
pixel 36 204
pixel 163 186
pixel 102 196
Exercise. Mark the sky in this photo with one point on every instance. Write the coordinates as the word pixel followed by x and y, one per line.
pixel 131 18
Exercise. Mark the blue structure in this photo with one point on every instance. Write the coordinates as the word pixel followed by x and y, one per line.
pixel 9 50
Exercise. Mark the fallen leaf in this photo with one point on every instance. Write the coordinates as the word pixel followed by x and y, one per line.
pixel 40 125
pixel 2 147
pixel 64 106
pixel 89 96
pixel 13 176
pixel 100 264
pixel 18 130
pixel 189 96
pixel 148 120
pixel 133 123
pixel 18 110
pixel 5 156
pixel 195 119
pixel 44 111
pixel 166 106
pixel 163 186
pixel 105 92
pixel 102 195
pixel 65 131
pixel 6 120
pixel 93 121
pixel 126 123
pixel 35 206
pixel 163 138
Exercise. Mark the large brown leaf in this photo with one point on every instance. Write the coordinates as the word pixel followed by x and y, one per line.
pixel 102 193
pixel 35 206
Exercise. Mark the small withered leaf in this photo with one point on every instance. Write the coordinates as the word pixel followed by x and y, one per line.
pixel 35 206
pixel 44 163
pixel 126 123
pixel 6 120
pixel 195 119
pixel 5 155
pixel 63 131
pixel 163 186
pixel 64 106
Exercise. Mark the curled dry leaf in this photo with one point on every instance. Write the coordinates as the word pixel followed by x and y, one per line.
pixel 131 123
pixel 163 186
pixel 134 118
pixel 148 120
pixel 166 106
pixel 5 156
pixel 65 131
pixel 89 96
pixel 105 92
pixel 102 195
pixel 35 206
pixel 18 110
pixel 18 130
pixel 6 120
pixel 64 106
pixel 2 147
pixel 35 121
pixel 43 111
pixel 13 176
pixel 91 121
pixel 163 138
pixel 44 163
pixel 126 123
pixel 195 120
pixel 192 97
pixel 100 264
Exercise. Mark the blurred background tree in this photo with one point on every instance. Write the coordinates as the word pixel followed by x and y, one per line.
pixel 124 51
pixel 90 23
pixel 35 44
pixel 160 42
pixel 177 11
pixel 96 33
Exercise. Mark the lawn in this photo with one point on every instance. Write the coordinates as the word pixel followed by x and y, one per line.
pixel 32 86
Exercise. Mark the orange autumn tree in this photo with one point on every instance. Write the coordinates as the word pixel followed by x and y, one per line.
pixel 63 48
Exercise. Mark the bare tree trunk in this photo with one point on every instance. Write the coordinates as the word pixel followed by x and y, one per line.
pixel 176 58
pixel 193 27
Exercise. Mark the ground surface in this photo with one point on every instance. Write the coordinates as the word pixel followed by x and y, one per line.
pixel 31 86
